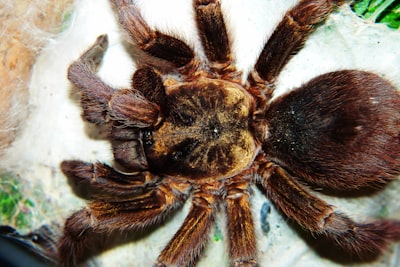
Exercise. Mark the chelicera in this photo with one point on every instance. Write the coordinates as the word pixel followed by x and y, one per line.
pixel 208 135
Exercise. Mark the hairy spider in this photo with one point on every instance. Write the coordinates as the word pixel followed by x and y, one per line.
pixel 207 135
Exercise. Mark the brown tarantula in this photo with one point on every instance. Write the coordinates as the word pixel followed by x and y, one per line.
pixel 207 135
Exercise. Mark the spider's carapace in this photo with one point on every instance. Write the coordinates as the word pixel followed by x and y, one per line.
pixel 205 134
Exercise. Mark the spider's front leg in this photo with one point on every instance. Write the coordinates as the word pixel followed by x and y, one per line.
pixel 213 34
pixel 362 240
pixel 119 203
pixel 290 35
pixel 151 42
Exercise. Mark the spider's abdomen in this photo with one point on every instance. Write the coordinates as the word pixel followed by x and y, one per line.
pixel 340 130
pixel 205 134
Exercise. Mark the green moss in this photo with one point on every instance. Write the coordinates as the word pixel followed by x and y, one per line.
pixel 66 20
pixel 379 11
pixel 15 208
pixel 384 212
pixel 218 234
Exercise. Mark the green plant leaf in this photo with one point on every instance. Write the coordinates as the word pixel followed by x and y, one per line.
pixel 379 11
pixel 15 209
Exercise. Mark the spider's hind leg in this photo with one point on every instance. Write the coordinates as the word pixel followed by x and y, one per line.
pixel 359 241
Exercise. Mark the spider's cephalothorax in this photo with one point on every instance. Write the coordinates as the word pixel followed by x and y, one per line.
pixel 209 136
pixel 205 133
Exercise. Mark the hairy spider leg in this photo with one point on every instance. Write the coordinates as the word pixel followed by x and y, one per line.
pixel 104 182
pixel 212 31
pixel 362 240
pixel 152 42
pixel 242 238
pixel 187 243
pixel 290 35
pixel 120 203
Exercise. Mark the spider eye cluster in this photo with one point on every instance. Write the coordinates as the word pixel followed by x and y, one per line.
pixel 205 133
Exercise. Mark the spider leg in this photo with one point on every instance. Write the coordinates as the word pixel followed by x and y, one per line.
pixel 363 240
pixel 104 182
pixel 213 34
pixel 290 35
pixel 187 243
pixel 242 239
pixel 100 102
pixel 151 42
pixel 103 217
